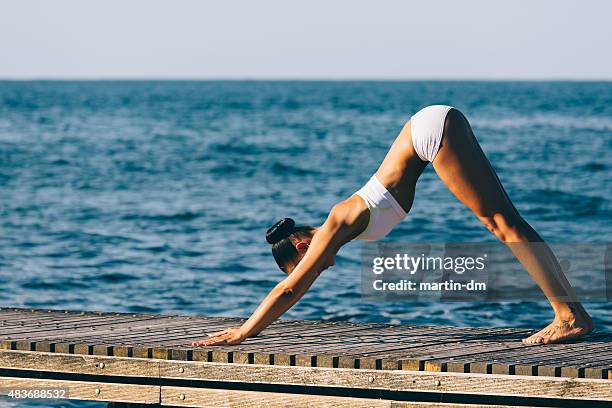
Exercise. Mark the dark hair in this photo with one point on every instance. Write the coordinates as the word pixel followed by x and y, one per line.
pixel 279 235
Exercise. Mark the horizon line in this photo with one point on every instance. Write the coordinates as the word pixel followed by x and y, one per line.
pixel 300 79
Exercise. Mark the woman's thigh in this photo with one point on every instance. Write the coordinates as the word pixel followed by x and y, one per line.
pixel 465 170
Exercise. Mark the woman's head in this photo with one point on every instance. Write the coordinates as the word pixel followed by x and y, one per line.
pixel 289 243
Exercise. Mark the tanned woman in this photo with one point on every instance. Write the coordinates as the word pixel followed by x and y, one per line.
pixel 442 136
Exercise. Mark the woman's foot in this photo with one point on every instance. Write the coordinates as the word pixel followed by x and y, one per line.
pixel 562 329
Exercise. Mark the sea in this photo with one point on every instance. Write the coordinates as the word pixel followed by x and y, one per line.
pixel 155 196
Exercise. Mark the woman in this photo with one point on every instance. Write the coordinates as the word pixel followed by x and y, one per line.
pixel 440 135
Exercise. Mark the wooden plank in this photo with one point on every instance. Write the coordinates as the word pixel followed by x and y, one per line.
pixel 79 364
pixel 25 345
pixel 576 351
pixel 81 348
pixel 110 320
pixel 63 347
pixel 57 319
pixel 87 344
pixel 122 351
pixel 45 346
pixel 416 404
pixel 302 329
pixel 76 329
pixel 89 391
pixel 486 384
pixel 446 348
pixel 102 350
pixel 370 337
pixel 545 359
pixel 140 351
pixel 173 333
pixel 351 378
pixel 158 332
pixel 66 332
pixel 541 360
pixel 598 372
pixel 415 335
pixel 15 316
pixel 340 345
pixel 212 398
pixel 25 317
pixel 437 359
pixel 305 376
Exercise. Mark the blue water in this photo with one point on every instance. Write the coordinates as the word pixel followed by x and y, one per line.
pixel 155 196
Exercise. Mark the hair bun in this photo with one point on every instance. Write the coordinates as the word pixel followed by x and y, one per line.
pixel 282 229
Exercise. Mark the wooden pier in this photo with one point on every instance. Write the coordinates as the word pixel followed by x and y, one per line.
pixel 147 359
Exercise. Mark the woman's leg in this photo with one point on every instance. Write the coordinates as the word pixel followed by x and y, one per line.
pixel 463 167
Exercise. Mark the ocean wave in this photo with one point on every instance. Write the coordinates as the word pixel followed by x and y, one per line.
pixel 179 216
pixel 554 121
pixel 572 203
pixel 56 284
pixel 111 277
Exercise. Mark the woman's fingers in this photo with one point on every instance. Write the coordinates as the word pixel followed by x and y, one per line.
pixel 228 336
pixel 212 340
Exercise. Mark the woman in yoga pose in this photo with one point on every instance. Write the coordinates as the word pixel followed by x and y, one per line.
pixel 441 135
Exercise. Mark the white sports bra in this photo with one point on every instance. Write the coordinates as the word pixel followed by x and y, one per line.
pixel 385 211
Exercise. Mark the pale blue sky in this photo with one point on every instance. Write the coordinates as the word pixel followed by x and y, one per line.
pixel 337 39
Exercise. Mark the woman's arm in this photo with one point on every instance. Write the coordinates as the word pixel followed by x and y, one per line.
pixel 338 229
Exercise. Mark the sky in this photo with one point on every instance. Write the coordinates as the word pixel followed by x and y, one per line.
pixel 307 39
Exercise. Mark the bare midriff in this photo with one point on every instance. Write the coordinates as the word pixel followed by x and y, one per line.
pixel 401 169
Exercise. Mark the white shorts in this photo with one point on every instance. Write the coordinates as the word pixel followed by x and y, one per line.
pixel 427 126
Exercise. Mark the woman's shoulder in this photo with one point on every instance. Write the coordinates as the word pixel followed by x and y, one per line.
pixel 351 216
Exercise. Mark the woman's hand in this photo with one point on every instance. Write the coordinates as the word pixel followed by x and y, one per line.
pixel 231 336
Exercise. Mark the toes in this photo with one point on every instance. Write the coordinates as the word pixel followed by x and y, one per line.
pixel 533 340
